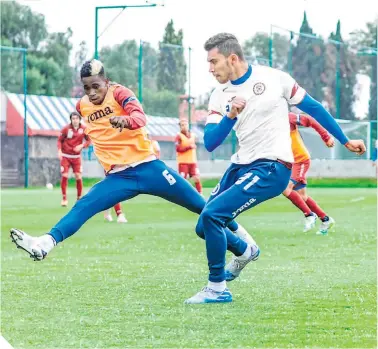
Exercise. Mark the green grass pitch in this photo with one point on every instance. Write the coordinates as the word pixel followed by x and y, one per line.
pixel 123 286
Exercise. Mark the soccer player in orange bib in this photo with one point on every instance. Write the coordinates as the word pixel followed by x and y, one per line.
pixel 71 142
pixel 115 125
pixel 186 154
pixel 296 190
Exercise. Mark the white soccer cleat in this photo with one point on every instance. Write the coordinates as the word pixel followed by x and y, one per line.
pixel 326 226
pixel 208 295
pixel 236 265
pixel 310 222
pixel 121 218
pixel 108 217
pixel 32 245
pixel 244 235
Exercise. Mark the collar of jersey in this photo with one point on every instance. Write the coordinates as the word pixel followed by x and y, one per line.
pixel 243 78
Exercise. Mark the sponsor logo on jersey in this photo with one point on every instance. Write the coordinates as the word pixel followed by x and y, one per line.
pixel 99 114
pixel 243 207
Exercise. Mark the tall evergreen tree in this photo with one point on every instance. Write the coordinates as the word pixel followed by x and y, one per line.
pixel 342 80
pixel 308 61
pixel 172 66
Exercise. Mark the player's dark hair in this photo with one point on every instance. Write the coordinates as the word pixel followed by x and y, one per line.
pixel 75 113
pixel 91 68
pixel 226 43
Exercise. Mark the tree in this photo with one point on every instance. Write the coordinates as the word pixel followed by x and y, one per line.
pixel 257 49
pixel 57 49
pixel 340 69
pixel 171 66
pixel 21 26
pixel 308 61
pixel 48 68
pixel 121 63
pixel 149 66
pixel 80 57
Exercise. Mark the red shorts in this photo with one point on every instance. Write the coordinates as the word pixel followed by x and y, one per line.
pixel 299 174
pixel 188 170
pixel 66 163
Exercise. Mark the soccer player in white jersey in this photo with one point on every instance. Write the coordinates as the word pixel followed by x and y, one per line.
pixel 252 100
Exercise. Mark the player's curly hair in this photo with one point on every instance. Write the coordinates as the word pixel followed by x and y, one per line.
pixel 92 67
pixel 226 43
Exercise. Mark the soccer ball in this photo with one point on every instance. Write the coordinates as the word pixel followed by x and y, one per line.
pixel 49 186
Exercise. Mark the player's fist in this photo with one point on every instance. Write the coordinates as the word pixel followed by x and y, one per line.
pixel 238 104
pixel 356 146
pixel 330 143
pixel 120 122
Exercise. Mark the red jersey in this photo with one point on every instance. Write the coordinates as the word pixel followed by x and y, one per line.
pixel 299 149
pixel 69 138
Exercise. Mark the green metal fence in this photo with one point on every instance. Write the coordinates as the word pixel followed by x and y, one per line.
pixel 344 78
pixel 14 79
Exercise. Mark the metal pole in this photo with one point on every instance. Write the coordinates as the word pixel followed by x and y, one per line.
pixel 140 72
pixel 107 8
pixel 189 89
pixel 96 33
pixel 26 136
pixel 337 82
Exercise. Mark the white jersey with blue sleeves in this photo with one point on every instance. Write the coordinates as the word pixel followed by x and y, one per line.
pixel 262 128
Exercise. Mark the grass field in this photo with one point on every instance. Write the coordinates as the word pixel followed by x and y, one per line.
pixel 122 286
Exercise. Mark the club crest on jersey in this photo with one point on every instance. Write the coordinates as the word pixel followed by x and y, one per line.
pixel 80 131
pixel 100 114
pixel 258 88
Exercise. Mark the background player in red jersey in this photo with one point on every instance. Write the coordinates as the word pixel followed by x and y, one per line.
pixel 70 145
pixel 186 154
pixel 296 190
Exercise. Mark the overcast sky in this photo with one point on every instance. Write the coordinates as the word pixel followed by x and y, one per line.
pixel 200 19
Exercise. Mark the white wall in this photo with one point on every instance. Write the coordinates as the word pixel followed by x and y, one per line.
pixel 319 168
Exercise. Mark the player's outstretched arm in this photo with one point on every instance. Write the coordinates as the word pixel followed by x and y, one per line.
pixel 318 112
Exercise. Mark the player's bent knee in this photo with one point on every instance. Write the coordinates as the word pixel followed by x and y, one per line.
pixel 78 176
pixel 65 175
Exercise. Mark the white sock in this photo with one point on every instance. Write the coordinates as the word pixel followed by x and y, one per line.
pixel 217 286
pixel 247 254
pixel 47 242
